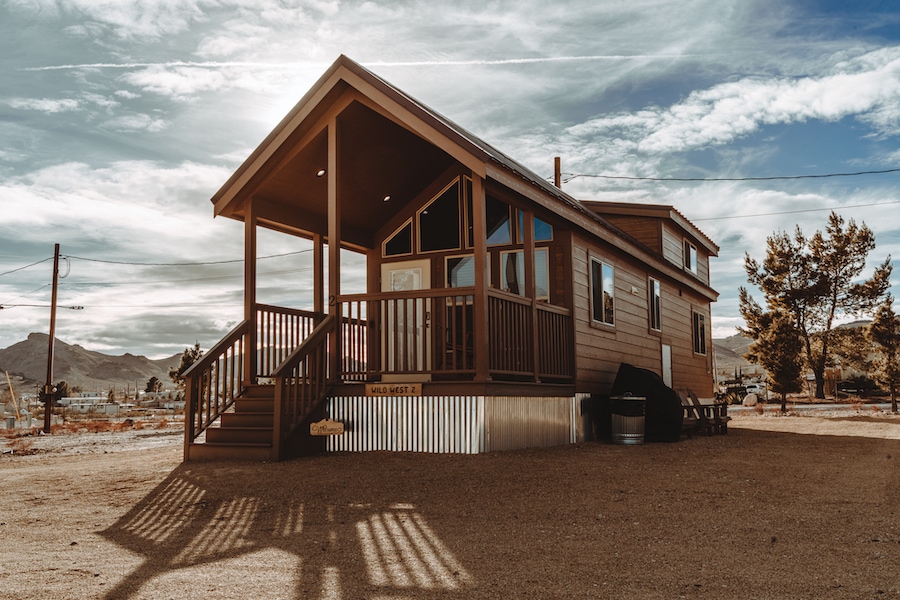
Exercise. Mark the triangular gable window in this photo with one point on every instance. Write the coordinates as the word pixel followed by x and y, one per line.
pixel 400 243
pixel 439 221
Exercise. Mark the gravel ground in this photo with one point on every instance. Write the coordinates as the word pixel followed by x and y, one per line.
pixel 781 507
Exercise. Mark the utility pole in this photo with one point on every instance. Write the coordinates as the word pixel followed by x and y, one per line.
pixel 49 392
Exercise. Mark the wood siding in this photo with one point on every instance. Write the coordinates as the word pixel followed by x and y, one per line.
pixel 600 349
pixel 644 230
pixel 673 240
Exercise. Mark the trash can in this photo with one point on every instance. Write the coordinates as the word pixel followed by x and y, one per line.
pixel 10 422
pixel 627 419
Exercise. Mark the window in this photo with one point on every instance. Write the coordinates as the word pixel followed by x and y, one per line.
pixel 602 296
pixel 497 220
pixel 699 333
pixel 439 221
pixel 512 273
pixel 543 231
pixel 690 257
pixel 655 305
pixel 400 243
pixel 460 271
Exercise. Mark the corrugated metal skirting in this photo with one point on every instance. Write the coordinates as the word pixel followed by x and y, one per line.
pixel 453 424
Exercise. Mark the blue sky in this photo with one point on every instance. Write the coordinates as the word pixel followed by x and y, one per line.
pixel 119 119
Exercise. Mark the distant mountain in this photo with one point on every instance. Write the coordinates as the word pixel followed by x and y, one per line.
pixel 77 366
pixel 730 355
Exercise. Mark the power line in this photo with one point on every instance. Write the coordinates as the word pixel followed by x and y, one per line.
pixel 26 266
pixel 571 176
pixel 794 212
pixel 194 264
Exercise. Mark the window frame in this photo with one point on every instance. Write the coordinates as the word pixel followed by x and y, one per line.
pixel 412 240
pixel 592 260
pixel 457 181
pixel 654 307
pixel 691 259
pixel 698 329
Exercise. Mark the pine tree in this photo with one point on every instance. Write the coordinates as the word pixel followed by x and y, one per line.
pixel 777 347
pixel 884 333
pixel 812 281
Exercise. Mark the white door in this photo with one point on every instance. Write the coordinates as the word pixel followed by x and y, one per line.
pixel 667 364
pixel 406 335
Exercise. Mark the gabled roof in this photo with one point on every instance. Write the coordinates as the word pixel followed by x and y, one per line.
pixel 390 145
pixel 348 77
pixel 658 211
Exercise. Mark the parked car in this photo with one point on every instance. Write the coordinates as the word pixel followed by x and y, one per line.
pixel 755 388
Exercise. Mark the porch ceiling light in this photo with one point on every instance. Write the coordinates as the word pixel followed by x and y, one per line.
pixel 386 198
pixel 320 172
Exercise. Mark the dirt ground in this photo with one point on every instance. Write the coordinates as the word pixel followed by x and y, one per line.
pixel 781 507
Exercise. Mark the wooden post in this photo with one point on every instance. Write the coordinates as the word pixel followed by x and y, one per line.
pixel 531 287
pixel 480 326
pixel 557 172
pixel 250 312
pixel 334 252
pixel 49 392
pixel 318 274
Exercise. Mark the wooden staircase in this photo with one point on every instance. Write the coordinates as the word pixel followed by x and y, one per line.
pixel 242 433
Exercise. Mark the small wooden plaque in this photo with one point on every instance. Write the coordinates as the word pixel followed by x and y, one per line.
pixel 326 427
pixel 393 389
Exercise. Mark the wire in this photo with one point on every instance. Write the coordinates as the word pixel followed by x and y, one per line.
pixel 195 264
pixel 25 267
pixel 794 212
pixel 572 176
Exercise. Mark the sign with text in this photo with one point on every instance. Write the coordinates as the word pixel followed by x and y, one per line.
pixel 393 389
pixel 326 427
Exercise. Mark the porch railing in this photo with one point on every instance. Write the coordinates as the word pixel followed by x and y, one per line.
pixel 279 332
pixel 432 332
pixel 213 383
pixel 301 382
pixel 216 379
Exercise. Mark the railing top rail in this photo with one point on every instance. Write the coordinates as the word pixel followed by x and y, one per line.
pixel 317 336
pixel 289 311
pixel 560 310
pixel 213 353
pixel 413 295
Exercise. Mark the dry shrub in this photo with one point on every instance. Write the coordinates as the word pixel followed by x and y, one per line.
pixel 21 445
pixel 759 408
pixel 138 425
pixel 162 423
pixel 97 426
pixel 122 425
pixel 876 409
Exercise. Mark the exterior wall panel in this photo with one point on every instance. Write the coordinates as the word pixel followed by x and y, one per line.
pixel 600 349
pixel 454 424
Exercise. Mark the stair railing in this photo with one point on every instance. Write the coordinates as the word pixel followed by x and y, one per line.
pixel 213 383
pixel 301 383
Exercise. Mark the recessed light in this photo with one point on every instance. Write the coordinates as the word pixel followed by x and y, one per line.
pixel 386 198
pixel 320 172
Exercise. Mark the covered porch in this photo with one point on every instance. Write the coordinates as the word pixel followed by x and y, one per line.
pixel 358 166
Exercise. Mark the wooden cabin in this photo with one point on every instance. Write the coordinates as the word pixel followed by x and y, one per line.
pixel 495 305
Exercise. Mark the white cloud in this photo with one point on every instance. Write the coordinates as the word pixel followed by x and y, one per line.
pixel 867 87
pixel 186 83
pixel 139 122
pixel 45 105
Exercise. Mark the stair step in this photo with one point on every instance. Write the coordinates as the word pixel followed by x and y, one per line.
pixel 212 451
pixel 247 419
pixel 254 405
pixel 239 435
pixel 258 391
